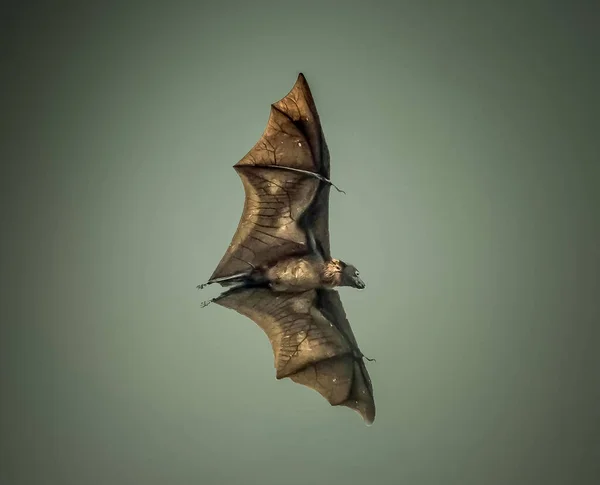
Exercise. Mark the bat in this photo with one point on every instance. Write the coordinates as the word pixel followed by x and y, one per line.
pixel 278 269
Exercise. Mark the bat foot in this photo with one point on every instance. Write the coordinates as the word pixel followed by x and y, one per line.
pixel 206 303
pixel 203 285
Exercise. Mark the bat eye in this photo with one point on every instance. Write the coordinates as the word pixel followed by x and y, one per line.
pixel 356 273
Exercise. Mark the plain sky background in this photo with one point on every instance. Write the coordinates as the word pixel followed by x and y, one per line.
pixel 466 137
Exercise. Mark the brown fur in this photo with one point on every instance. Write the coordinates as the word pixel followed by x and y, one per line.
pixel 294 274
pixel 301 274
pixel 332 273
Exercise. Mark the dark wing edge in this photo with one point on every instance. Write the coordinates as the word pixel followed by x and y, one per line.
pixel 362 398
pixel 312 343
pixel 299 106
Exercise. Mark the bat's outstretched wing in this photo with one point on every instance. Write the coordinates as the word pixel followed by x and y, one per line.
pixel 281 205
pixel 312 342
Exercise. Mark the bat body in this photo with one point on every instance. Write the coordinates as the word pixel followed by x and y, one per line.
pixel 278 267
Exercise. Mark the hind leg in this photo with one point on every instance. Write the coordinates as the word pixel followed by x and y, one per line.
pixel 245 285
pixel 226 280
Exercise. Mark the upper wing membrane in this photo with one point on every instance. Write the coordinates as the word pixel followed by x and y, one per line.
pixel 277 199
pixel 269 228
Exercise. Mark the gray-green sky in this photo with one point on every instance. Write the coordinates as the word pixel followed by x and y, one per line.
pixel 466 137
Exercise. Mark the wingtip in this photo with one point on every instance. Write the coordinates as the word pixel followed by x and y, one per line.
pixel 364 408
pixel 301 80
pixel 368 414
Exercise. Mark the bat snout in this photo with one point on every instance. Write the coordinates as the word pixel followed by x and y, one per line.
pixel 360 284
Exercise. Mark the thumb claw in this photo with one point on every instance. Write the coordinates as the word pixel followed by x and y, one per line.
pixel 338 189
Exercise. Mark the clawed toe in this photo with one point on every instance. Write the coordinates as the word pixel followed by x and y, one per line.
pixel 206 303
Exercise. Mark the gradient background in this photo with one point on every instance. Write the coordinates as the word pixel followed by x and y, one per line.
pixel 466 136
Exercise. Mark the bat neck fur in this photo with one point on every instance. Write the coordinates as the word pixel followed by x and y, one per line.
pixel 331 273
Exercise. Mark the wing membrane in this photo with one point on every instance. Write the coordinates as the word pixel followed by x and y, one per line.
pixel 299 106
pixel 269 228
pixel 281 203
pixel 310 343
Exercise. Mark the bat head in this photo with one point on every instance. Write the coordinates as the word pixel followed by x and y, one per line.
pixel 343 274
pixel 350 277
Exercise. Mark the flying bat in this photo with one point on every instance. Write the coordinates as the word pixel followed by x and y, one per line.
pixel 278 268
